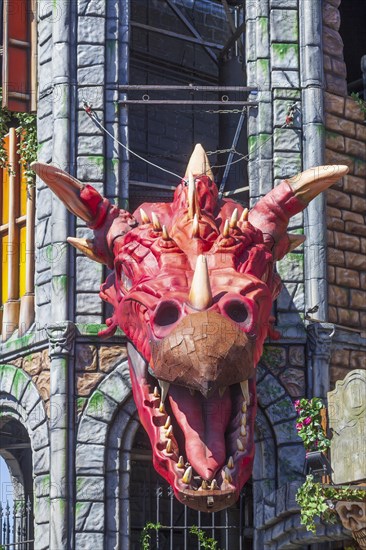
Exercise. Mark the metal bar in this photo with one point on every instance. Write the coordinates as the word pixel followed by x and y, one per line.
pixel 190 87
pixel 185 530
pixel 171 534
pixel 154 186
pixel 190 27
pixel 229 44
pixel 241 522
pixel 183 102
pixel 231 154
pixel 236 191
pixel 176 35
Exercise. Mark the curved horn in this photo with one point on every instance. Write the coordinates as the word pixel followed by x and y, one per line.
pixel 86 247
pixel 200 296
pixel 272 212
pixel 67 188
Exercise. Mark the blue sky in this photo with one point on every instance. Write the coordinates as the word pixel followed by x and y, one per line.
pixel 5 484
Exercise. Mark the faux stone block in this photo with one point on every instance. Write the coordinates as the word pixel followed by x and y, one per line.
pixel 291 267
pixel 286 165
pixel 284 25
pixel 90 488
pixel 285 78
pixel 101 407
pixel 115 387
pixel 262 37
pixel 89 459
pixel 268 392
pixel 285 56
pixel 91 7
pixel 281 110
pixel 294 381
pixel 287 139
pixel 92 431
pixel 91 30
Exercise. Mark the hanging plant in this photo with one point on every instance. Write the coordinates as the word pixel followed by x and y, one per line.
pixel 317 500
pixel 27 133
pixel 309 424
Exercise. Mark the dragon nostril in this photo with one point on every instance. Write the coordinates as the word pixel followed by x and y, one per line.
pixel 167 314
pixel 236 310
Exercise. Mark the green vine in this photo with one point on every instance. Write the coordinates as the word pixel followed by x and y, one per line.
pixel 27 132
pixel 206 542
pixel 317 500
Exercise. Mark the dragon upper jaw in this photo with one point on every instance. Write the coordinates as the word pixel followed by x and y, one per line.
pixel 206 456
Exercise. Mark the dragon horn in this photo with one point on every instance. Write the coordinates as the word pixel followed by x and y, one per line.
pixel 310 183
pixel 200 296
pixel 199 164
pixel 272 212
pixel 86 247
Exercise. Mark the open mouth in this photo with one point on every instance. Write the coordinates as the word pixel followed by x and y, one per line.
pixel 202 446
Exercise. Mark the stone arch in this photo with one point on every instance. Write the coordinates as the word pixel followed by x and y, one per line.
pixel 277 407
pixel 107 425
pixel 21 402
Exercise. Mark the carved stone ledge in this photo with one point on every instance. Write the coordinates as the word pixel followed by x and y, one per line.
pixel 320 338
pixel 61 338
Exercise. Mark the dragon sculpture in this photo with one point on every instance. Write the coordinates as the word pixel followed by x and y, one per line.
pixel 192 286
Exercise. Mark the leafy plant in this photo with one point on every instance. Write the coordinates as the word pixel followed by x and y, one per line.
pixel 27 132
pixel 309 424
pixel 146 536
pixel 360 102
pixel 317 500
pixel 206 542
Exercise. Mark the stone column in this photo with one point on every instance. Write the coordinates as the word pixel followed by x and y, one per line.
pixel 320 344
pixel 61 342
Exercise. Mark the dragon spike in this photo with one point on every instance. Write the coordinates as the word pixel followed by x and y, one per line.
pixel 226 230
pixel 295 241
pixel 165 234
pixel 144 217
pixel 244 215
pixel 195 227
pixel 193 203
pixel 200 296
pixel 310 183
pixel 86 246
pixel 67 189
pixel 199 164
pixel 155 222
pixel 234 219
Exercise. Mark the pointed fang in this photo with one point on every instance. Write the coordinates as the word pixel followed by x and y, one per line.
pixel 155 222
pixel 187 475
pixel 156 392
pixel 200 296
pixel 144 217
pixel 244 215
pixel 195 227
pixel 239 445
pixel 165 234
pixel 295 241
pixel 226 230
pixel 234 219
pixel 245 391
pixel 169 446
pixel 230 463
pixel 204 485
pixel 227 475
pixel 243 431
pixel 167 423
pixel 164 386
pixel 169 432
pixel 214 485
pixel 180 463
pixel 86 246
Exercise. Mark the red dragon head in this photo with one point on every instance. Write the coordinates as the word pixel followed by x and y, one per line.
pixel 192 287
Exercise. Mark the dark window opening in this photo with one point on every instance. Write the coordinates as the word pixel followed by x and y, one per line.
pixel 352 30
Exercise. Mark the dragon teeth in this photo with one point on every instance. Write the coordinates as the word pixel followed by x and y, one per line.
pixel 243 420
pixel 180 463
pixel 214 485
pixel 187 476
pixel 156 392
pixel 240 445
pixel 243 431
pixel 244 407
pixel 230 463
pixel 204 485
pixel 161 407
pixel 164 386
pixel 167 423
pixel 227 475
pixel 169 432
pixel 245 390
pixel 169 446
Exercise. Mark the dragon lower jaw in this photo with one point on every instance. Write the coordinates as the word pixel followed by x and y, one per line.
pixel 203 447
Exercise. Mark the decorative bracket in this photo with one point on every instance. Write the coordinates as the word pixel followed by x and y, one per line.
pixel 320 338
pixel 61 338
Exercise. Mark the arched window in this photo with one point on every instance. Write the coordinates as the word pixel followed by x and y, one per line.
pixel 151 500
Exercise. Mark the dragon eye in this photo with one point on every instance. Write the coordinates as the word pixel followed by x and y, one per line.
pixel 167 314
pixel 236 310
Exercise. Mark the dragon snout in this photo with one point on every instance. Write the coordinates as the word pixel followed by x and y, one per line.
pixel 205 351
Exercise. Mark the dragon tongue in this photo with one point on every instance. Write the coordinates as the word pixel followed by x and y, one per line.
pixel 203 422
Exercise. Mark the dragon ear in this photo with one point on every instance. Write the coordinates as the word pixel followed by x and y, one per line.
pixel 198 164
pixel 70 191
